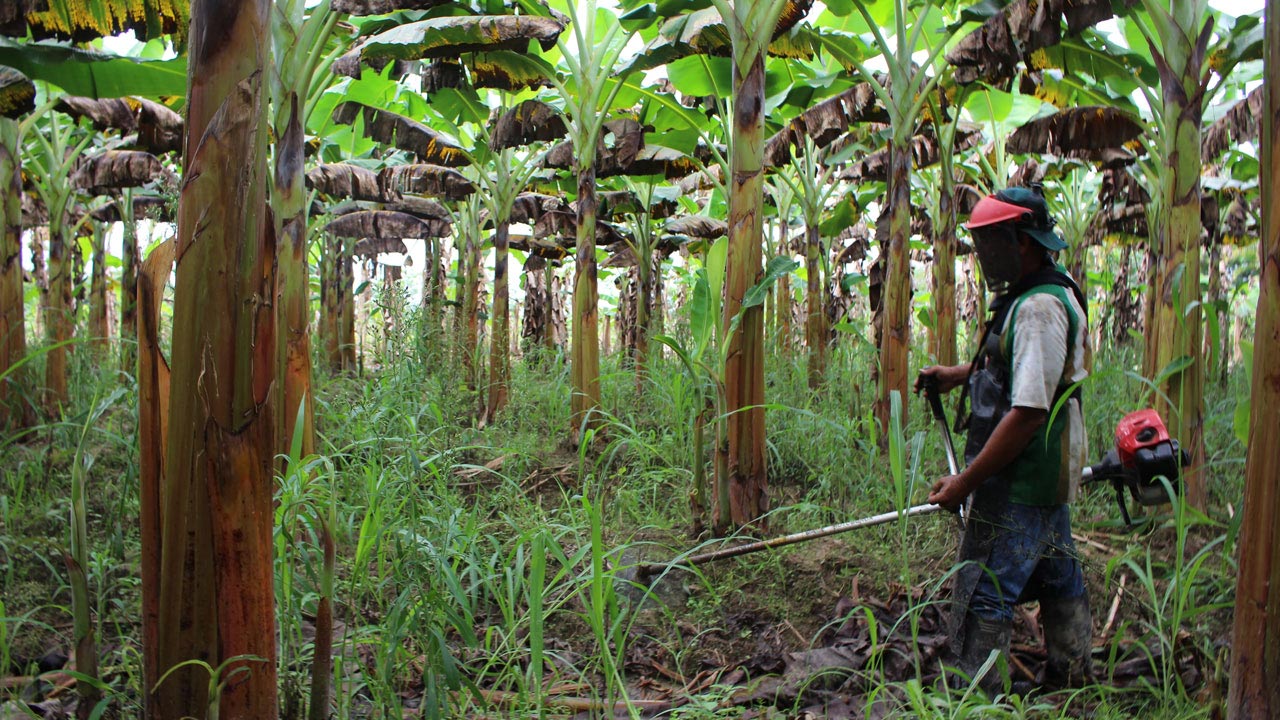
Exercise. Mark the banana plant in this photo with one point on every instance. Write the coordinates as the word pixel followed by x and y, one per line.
pixel 779 325
pixel 216 601
pixel 1180 37
pixel 587 88
pixel 903 92
pixel 811 181
pixel 300 62
pixel 648 195
pixel 53 155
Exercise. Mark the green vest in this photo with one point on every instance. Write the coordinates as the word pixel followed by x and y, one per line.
pixel 1038 476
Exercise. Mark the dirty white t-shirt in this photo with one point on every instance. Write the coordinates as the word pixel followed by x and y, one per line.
pixel 1042 361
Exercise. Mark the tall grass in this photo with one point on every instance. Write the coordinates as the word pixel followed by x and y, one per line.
pixel 471 586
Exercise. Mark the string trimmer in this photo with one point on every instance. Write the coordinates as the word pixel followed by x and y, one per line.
pixel 1143 455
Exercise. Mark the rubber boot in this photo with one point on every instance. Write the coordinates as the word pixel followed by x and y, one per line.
pixel 981 636
pixel 1068 638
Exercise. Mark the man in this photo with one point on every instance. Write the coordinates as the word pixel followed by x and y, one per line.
pixel 1021 469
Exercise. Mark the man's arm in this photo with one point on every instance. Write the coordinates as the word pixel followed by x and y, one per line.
pixel 1011 436
pixel 949 377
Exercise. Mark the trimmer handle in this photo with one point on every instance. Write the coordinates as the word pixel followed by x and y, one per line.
pixel 929 384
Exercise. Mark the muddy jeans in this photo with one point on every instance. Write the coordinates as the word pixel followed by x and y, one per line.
pixel 1013 553
pixel 1032 557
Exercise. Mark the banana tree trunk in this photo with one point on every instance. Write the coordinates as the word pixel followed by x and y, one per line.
pixel 782 294
pixel 1178 312
pixel 15 412
pixel 293 299
pixel 346 306
pixel 153 430
pixel 745 469
pixel 1255 633
pixel 815 325
pixel 460 299
pixel 331 302
pixel 657 302
pixel 59 322
pixel 432 289
pixel 471 310
pixel 217 603
pixel 1213 358
pixel 644 301
pixel 99 331
pixel 896 334
pixel 944 271
pixel 40 273
pixel 499 357
pixel 129 265
pixel 585 347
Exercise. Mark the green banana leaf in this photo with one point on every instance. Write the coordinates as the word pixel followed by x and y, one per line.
pixel 94 74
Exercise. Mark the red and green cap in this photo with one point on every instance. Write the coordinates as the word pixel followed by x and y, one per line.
pixel 1022 206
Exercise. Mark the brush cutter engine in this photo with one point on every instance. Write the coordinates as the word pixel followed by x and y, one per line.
pixel 1144 457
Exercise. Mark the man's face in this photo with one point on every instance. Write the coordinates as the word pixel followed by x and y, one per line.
pixel 997 248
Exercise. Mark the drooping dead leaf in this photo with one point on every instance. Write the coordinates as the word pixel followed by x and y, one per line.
pixel 105 114
pixel 504 70
pixel 651 160
pixel 420 207
pixel 1240 225
pixel 698 226
pixel 158 128
pixel 380 224
pixel 425 179
pixel 542 249
pixel 530 121
pixel 704 32
pixel 1238 125
pixel 1120 187
pixel 17 93
pixel 350 65
pixel 117 169
pixel 344 180
pixel 925 151
pixel 441 75
pixel 825 122
pixel 563 223
pixel 530 207
pixel 1075 130
pixel 372 247
pixel 382 7
pixel 13 16
pixel 399 131
pixel 991 53
pixel 616 203
pixel 1118 225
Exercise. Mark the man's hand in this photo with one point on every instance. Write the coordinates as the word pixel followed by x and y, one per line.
pixel 949 492
pixel 948 377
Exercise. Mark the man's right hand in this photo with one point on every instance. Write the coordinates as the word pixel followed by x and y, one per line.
pixel 948 377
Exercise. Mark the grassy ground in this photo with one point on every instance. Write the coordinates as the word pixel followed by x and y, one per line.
pixel 478 565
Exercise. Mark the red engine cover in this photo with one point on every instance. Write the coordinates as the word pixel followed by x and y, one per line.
pixel 1139 429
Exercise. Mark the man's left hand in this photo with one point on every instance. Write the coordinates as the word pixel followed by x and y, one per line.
pixel 949 492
